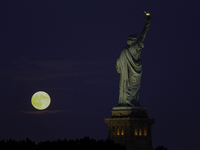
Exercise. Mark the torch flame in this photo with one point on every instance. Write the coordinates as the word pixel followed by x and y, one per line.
pixel 147 13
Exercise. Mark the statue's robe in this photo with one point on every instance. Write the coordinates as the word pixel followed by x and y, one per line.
pixel 129 65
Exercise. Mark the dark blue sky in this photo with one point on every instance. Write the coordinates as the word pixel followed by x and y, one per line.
pixel 69 50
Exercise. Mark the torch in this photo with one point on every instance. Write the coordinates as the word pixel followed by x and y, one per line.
pixel 147 17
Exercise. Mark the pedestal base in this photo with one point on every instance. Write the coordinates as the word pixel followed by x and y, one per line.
pixel 130 127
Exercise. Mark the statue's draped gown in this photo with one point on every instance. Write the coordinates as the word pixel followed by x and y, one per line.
pixel 129 65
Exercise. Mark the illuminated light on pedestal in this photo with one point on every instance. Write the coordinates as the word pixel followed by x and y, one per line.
pixel 140 131
pixel 122 131
pixel 118 131
pixel 113 131
pixel 145 131
pixel 136 130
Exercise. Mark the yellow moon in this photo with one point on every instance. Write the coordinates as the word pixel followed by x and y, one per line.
pixel 40 100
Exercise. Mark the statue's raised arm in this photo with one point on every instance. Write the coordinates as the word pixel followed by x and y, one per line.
pixel 146 27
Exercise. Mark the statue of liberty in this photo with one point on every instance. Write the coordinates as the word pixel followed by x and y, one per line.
pixel 129 65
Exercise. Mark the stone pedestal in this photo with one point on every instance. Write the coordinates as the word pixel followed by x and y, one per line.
pixel 130 127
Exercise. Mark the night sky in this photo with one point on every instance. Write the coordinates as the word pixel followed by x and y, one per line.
pixel 69 50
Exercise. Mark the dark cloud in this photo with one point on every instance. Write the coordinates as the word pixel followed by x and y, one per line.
pixel 47 70
pixel 38 112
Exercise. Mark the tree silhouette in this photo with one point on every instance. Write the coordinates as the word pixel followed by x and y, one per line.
pixel 78 144
pixel 160 148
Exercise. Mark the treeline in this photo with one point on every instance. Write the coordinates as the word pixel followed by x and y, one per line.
pixel 78 144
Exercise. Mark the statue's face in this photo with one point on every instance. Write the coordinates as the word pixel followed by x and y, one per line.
pixel 130 42
pixel 131 39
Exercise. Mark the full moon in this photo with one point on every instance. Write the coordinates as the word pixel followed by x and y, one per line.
pixel 40 100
